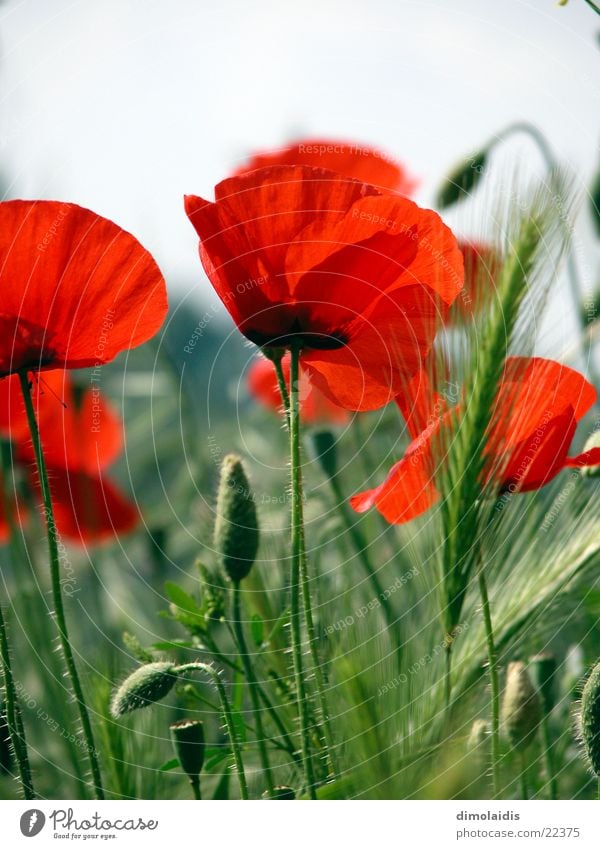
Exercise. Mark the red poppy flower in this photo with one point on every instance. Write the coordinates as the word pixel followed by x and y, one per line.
pixel 361 162
pixel 81 435
pixel 315 407
pixel 79 428
pixel 358 279
pixel 537 409
pixel 76 289
pixel 89 508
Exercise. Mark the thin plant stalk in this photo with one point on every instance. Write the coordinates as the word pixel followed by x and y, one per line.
pixel 493 675
pixel 59 611
pixel 251 679
pixel 286 398
pixel 14 719
pixel 298 574
pixel 548 758
pixel 236 748
pixel 523 778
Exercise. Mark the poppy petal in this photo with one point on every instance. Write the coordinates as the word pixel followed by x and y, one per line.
pixel 76 288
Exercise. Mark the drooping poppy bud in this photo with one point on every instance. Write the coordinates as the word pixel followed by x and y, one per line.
pixel 462 180
pixel 542 668
pixel 590 719
pixel 188 742
pixel 148 684
pixel 521 711
pixel 236 528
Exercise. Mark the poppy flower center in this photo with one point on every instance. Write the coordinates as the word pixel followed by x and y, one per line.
pixel 297 335
pixel 29 343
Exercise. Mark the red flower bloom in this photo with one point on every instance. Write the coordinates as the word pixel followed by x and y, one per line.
pixel 360 162
pixel 81 435
pixel 357 278
pixel 315 407
pixel 76 289
pixel 537 409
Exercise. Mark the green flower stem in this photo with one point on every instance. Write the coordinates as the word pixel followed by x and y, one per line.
pixel 195 785
pixel 448 675
pixel 287 745
pixel 298 574
pixel 494 686
pixel 361 547
pixel 14 719
pixel 236 748
pixel 276 355
pixel 251 679
pixel 549 758
pixel 59 612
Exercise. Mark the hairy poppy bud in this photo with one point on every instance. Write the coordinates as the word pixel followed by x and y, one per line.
pixel 282 791
pixel 521 710
pixel 590 719
pixel 236 527
pixel 188 741
pixel 462 180
pixel 542 668
pixel 595 201
pixel 325 451
pixel 146 685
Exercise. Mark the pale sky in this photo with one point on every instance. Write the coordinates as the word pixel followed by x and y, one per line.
pixel 125 105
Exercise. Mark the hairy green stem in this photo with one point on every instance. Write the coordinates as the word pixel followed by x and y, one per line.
pixel 236 748
pixel 59 612
pixel 251 680
pixel 298 575
pixel 493 674
pixel 14 720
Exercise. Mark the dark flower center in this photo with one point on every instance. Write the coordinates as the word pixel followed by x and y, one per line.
pixel 295 335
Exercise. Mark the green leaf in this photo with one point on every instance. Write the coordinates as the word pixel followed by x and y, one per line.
pixel 186 608
pixel 257 629
pixel 218 756
pixel 169 765
pixel 222 791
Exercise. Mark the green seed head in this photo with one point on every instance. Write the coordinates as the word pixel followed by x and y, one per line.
pixel 521 709
pixel 590 719
pixel 542 668
pixel 188 741
pixel 146 685
pixel 593 441
pixel 236 528
pixel 462 180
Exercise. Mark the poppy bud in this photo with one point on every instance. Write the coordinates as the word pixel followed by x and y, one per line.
pixel 188 741
pixel 236 528
pixel 521 710
pixel 325 451
pixel 590 719
pixel 595 201
pixel 542 668
pixel 146 685
pixel 462 180
pixel 282 791
pixel 593 441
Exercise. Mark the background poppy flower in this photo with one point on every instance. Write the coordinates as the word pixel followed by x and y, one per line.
pixel 81 435
pixel 362 162
pixel 76 288
pixel 536 412
pixel 315 407
pixel 356 278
